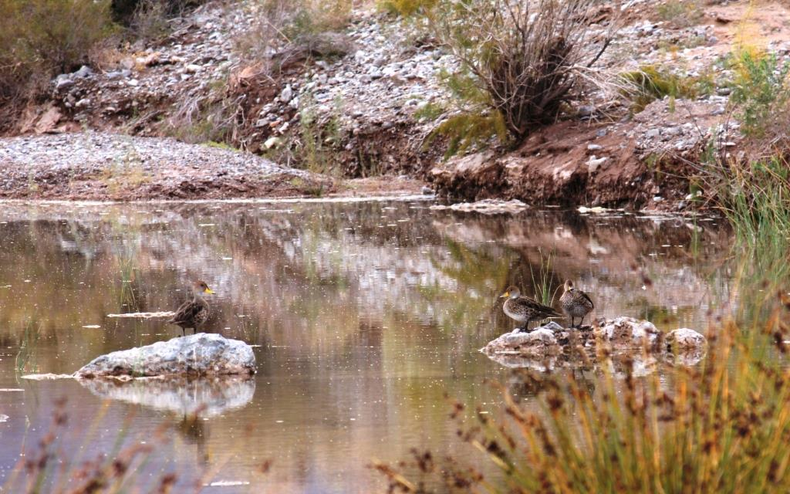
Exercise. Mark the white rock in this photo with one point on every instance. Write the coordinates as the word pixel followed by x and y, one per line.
pixel 593 163
pixel 63 81
pixel 198 354
pixel 287 94
pixel 539 342
pixel 629 331
pixel 84 72
pixel 684 339
pixel 272 142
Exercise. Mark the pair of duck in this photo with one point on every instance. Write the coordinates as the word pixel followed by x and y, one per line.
pixel 574 302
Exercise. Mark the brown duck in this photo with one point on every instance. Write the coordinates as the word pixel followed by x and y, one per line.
pixel 194 312
pixel 575 303
pixel 524 309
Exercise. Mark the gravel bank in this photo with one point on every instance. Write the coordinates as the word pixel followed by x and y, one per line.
pixel 104 166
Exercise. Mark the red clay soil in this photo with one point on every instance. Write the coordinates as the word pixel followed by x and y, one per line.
pixel 552 168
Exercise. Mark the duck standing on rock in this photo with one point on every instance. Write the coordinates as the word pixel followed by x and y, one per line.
pixel 575 303
pixel 194 312
pixel 524 309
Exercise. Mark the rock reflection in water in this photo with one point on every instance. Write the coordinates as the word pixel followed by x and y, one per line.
pixel 204 397
pixel 619 365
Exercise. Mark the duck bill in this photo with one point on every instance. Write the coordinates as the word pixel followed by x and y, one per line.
pixel 504 295
pixel 208 290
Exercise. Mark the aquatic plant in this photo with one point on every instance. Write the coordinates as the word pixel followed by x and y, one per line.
pixel 26 356
pixel 541 282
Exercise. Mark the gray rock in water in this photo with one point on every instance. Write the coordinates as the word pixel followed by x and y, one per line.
pixel 538 342
pixel 198 354
pixel 208 397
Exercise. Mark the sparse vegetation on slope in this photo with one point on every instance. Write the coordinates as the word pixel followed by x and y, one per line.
pixel 42 38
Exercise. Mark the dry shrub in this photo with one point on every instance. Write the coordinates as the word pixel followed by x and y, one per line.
pixel 42 38
pixel 523 55
pixel 283 22
pixel 149 20
pixel 125 11
pixel 407 8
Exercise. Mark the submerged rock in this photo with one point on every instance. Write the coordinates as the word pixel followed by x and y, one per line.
pixel 207 397
pixel 198 354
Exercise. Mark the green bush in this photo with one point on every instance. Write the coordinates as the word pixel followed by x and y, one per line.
pixel 650 83
pixel 760 90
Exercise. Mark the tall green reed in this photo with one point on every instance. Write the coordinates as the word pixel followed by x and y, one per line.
pixel 542 277
pixel 25 360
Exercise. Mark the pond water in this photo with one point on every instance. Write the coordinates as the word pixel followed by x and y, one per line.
pixel 364 316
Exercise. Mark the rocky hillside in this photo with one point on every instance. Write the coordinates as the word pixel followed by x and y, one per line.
pixel 362 99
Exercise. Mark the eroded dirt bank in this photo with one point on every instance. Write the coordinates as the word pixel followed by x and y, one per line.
pixel 639 163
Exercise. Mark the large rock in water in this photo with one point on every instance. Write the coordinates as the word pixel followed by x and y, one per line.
pixel 196 355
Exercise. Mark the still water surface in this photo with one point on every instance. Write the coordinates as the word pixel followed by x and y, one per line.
pixel 364 316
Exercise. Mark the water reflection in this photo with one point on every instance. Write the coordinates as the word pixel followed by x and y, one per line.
pixel 366 315
pixel 634 362
pixel 206 397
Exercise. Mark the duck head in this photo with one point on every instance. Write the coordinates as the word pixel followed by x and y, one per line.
pixel 511 292
pixel 200 287
pixel 569 286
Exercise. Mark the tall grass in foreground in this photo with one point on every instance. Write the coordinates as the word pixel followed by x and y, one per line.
pixel 720 428
pixel 49 467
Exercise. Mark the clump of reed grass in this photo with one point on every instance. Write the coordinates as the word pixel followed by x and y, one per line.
pixel 25 360
pixel 541 280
